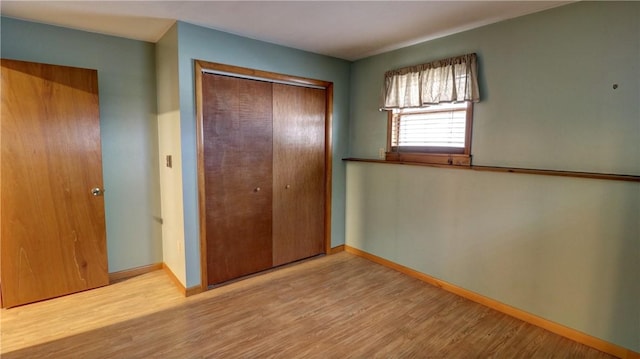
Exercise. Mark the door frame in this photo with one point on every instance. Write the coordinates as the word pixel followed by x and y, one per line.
pixel 202 67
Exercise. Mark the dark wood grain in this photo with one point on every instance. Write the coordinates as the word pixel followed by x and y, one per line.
pixel 298 172
pixel 291 165
pixel 53 237
pixel 237 131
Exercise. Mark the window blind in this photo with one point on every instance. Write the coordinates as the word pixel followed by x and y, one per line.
pixel 441 128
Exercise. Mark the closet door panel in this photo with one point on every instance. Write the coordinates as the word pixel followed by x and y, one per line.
pixel 237 129
pixel 298 172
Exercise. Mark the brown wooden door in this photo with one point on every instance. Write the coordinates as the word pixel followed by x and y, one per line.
pixel 53 239
pixel 298 172
pixel 237 138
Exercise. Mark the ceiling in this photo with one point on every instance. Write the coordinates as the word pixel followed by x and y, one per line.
pixel 349 30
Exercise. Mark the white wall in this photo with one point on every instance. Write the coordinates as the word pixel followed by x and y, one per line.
pixel 169 144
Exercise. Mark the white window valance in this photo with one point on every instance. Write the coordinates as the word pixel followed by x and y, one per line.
pixel 450 80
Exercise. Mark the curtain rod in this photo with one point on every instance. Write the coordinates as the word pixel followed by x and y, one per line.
pixel 258 78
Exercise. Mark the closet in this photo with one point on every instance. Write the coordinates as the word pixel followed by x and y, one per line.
pixel 264 183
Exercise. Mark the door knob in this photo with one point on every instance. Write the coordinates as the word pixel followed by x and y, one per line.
pixel 257 189
pixel 97 191
pixel 287 186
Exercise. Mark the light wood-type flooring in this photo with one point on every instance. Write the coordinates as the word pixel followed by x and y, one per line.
pixel 338 306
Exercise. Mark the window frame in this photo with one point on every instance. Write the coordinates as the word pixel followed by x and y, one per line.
pixel 432 155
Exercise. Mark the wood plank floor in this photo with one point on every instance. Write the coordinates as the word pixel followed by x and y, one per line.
pixel 339 306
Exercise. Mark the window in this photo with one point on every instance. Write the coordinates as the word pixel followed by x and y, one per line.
pixel 439 134
pixel 430 111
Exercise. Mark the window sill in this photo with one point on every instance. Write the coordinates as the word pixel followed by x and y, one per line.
pixel 429 158
pixel 592 175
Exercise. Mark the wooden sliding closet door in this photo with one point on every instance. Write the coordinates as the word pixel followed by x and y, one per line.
pixel 298 172
pixel 237 132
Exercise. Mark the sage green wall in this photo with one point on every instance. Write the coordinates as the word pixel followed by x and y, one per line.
pixel 547 97
pixel 565 249
pixel 126 80
pixel 198 43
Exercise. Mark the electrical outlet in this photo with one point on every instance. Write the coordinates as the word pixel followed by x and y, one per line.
pixel 381 153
